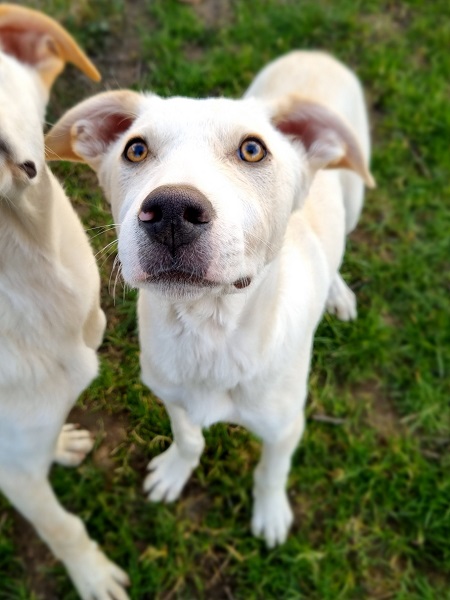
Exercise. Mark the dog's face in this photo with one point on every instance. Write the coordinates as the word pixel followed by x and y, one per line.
pixel 33 51
pixel 21 116
pixel 201 190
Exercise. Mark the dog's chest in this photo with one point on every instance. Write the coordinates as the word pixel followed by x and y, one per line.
pixel 204 347
pixel 38 306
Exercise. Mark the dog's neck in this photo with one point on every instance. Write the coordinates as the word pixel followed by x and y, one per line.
pixel 217 313
pixel 222 315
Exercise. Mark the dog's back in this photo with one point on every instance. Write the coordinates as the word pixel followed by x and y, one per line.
pixel 320 78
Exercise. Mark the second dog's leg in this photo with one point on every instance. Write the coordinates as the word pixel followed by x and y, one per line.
pixel 92 573
pixel 341 300
pixel 272 515
pixel 72 445
pixel 170 470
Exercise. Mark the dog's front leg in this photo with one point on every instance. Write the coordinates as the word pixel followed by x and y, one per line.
pixel 92 573
pixel 72 445
pixel 341 300
pixel 272 515
pixel 170 470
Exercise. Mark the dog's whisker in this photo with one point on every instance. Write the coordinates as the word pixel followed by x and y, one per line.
pixel 117 278
pixel 105 248
pixel 104 230
pixel 116 267
pixel 126 288
pixel 260 239
pixel 108 255
pixel 47 148
pixel 103 227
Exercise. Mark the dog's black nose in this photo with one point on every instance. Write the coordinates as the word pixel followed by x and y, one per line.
pixel 176 215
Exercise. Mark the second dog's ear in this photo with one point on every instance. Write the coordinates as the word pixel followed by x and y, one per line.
pixel 84 133
pixel 37 40
pixel 328 141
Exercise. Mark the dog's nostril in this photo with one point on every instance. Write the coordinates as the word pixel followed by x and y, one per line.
pixel 196 215
pixel 151 216
pixel 30 168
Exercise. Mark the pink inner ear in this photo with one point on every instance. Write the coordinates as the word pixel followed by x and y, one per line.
pixel 21 44
pixel 329 142
pixel 112 125
pixel 300 127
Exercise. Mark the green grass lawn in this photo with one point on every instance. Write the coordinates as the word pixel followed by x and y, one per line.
pixel 370 483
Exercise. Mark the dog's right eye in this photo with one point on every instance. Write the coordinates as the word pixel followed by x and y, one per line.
pixel 136 150
pixel 252 150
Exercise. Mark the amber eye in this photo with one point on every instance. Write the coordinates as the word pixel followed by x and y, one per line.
pixel 252 150
pixel 136 150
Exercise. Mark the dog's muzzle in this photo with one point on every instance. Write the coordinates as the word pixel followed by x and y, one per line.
pixel 176 215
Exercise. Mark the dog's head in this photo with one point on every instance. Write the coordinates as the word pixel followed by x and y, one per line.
pixel 202 190
pixel 33 51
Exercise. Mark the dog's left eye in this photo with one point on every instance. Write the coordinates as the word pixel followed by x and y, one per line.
pixel 136 150
pixel 252 150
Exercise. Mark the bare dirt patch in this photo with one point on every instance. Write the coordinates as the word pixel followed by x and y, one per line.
pixel 212 12
pixel 379 412
pixel 110 432
pixel 121 64
pixel 36 559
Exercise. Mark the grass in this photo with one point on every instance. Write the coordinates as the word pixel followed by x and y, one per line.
pixel 370 485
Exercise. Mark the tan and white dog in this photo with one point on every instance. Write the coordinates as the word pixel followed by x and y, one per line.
pixel 234 233
pixel 50 318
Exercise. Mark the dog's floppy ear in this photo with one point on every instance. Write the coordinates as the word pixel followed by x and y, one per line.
pixel 37 40
pixel 84 133
pixel 328 141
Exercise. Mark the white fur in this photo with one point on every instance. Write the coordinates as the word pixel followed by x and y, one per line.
pixel 219 352
pixel 50 327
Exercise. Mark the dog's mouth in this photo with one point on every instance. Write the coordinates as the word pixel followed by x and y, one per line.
pixel 182 278
pixel 179 278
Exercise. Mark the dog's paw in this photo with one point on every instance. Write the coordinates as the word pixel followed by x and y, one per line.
pixel 341 300
pixel 272 516
pixel 72 445
pixel 169 473
pixel 95 576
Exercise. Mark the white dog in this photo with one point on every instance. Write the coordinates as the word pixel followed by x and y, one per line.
pixel 50 318
pixel 234 234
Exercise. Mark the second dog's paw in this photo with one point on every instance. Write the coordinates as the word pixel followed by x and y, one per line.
pixel 169 473
pixel 341 300
pixel 272 516
pixel 95 576
pixel 72 445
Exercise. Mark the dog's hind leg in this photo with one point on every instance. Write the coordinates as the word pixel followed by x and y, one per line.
pixel 72 445
pixel 170 470
pixel 341 300
pixel 353 197
pixel 92 573
pixel 272 514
